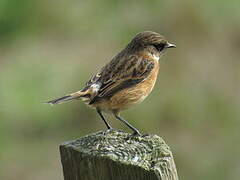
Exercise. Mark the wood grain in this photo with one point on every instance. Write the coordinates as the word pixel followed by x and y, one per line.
pixel 115 155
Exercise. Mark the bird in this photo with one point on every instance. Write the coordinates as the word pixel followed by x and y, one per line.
pixel 126 80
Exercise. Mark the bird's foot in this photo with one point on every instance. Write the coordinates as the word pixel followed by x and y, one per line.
pixel 109 128
pixel 145 135
pixel 136 133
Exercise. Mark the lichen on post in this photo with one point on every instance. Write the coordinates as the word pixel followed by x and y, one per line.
pixel 115 155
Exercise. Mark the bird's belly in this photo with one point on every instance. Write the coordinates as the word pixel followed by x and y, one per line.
pixel 130 96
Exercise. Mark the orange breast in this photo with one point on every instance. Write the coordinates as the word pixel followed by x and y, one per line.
pixel 134 95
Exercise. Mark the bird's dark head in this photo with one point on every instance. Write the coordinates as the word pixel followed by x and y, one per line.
pixel 151 39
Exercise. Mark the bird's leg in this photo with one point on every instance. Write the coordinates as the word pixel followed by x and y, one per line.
pixel 135 130
pixel 103 118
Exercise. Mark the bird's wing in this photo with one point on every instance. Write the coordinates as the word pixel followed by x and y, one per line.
pixel 122 74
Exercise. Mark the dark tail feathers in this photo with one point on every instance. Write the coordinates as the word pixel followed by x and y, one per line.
pixel 75 95
pixel 60 100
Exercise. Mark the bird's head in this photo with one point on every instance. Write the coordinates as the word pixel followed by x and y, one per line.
pixel 151 39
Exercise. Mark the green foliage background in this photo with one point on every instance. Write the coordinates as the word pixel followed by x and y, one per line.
pixel 50 48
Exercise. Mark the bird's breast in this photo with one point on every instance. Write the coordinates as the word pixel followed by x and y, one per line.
pixel 136 94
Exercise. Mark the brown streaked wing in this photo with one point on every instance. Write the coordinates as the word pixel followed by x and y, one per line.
pixel 125 74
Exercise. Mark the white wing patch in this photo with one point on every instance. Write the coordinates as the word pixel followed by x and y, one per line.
pixel 95 87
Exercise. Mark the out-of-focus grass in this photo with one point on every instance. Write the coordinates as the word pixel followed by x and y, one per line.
pixel 49 48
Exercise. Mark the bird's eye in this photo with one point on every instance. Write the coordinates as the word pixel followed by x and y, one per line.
pixel 160 46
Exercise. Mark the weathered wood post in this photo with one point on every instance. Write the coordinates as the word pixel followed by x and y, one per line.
pixel 115 155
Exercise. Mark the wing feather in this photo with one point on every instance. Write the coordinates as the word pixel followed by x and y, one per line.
pixel 126 73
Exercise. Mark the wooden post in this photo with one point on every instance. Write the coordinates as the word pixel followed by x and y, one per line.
pixel 115 155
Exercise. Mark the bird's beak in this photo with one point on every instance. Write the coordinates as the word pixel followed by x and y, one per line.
pixel 169 45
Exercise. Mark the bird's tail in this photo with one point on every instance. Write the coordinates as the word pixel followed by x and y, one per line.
pixel 69 97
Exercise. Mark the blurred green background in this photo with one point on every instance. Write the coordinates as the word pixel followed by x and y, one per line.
pixel 50 48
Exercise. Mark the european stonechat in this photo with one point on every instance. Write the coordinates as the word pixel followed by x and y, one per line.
pixel 126 80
